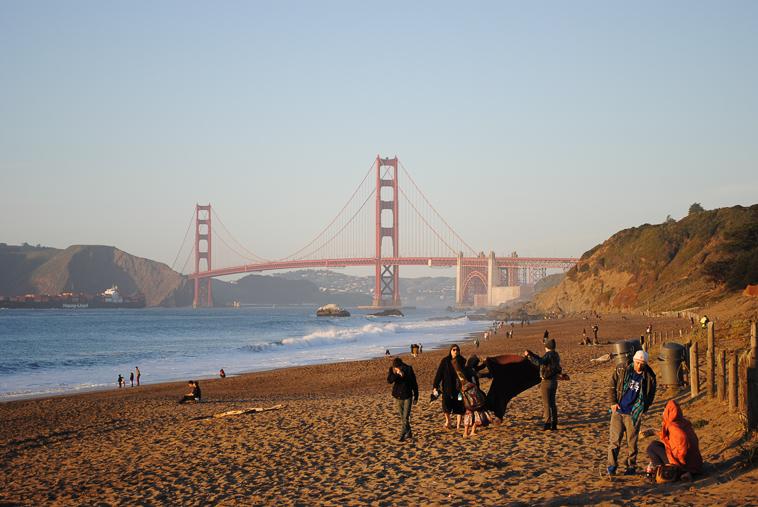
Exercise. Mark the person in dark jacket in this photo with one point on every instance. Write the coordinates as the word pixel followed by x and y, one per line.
pixel 446 382
pixel 194 394
pixel 405 392
pixel 550 368
pixel 630 393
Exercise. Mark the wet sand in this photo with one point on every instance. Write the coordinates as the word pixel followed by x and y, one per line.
pixel 335 440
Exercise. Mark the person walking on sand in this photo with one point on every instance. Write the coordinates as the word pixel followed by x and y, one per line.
pixel 446 382
pixel 139 374
pixel 631 391
pixel 550 368
pixel 678 445
pixel 405 392
pixel 131 378
pixel 120 381
pixel 595 329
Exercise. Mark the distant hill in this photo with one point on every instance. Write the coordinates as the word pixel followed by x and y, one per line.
pixel 26 269
pixel 91 269
pixel 704 259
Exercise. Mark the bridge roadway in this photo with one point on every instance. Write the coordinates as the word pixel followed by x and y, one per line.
pixel 502 262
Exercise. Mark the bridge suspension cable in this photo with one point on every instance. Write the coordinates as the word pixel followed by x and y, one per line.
pixel 299 254
pixel 184 242
pixel 249 255
pixel 451 231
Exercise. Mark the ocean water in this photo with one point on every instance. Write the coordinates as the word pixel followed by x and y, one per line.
pixel 46 352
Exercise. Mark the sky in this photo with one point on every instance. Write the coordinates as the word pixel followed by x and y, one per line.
pixel 539 127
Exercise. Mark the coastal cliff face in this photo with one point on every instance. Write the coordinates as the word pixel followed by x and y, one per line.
pixel 90 269
pixel 704 259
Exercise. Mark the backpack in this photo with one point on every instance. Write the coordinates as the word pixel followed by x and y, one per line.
pixel 473 397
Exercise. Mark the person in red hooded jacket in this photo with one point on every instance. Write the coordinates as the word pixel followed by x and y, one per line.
pixel 678 445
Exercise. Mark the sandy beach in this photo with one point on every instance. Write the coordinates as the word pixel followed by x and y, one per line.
pixel 335 440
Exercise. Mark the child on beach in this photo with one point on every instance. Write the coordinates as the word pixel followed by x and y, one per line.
pixel 473 398
pixel 120 381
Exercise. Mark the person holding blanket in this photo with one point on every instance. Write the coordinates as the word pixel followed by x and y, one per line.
pixel 550 369
pixel 630 393
pixel 405 392
pixel 678 445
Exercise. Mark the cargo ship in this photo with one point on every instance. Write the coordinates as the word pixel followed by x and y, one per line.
pixel 109 298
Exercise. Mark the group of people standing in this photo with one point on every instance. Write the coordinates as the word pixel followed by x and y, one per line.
pixel 133 375
pixel 631 392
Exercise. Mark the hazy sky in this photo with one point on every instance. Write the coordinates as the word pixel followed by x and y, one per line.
pixel 541 127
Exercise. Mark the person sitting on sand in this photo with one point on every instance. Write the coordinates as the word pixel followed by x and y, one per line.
pixel 405 392
pixel 446 382
pixel 678 445
pixel 194 394
pixel 222 373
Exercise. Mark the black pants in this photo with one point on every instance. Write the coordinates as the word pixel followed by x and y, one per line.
pixel 656 451
pixel 548 388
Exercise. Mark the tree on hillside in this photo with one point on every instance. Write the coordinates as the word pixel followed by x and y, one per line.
pixel 739 265
pixel 695 207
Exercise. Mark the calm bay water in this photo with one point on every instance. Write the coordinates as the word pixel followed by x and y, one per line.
pixel 45 352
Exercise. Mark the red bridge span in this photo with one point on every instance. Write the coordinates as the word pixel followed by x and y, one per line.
pixel 371 231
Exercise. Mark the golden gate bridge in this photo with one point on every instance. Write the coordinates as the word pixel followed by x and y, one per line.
pixel 370 230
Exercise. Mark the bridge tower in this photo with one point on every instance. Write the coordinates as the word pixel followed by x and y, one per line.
pixel 203 294
pixel 386 283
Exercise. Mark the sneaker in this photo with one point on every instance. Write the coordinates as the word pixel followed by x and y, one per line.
pixel 630 471
pixel 611 470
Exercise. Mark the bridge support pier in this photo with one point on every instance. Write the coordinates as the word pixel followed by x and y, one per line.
pixel 203 295
pixel 387 281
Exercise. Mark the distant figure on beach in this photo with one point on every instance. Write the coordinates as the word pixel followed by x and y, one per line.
pixel 678 444
pixel 194 394
pixel 550 368
pixel 630 393
pixel 446 382
pixel 585 341
pixel 387 352
pixel 545 337
pixel 405 392
pixel 476 342
pixel 120 381
pixel 414 349
pixel 131 378
pixel 420 348
pixel 139 374
pixel 595 329
pixel 222 373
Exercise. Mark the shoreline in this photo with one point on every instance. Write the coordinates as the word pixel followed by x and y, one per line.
pixel 183 381
pixel 335 440
pixel 358 340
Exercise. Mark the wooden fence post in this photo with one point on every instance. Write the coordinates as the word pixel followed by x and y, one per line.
pixel 733 361
pixel 709 366
pixel 694 372
pixel 721 375
pixel 751 387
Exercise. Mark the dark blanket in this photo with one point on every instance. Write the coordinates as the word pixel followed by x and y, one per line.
pixel 511 374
